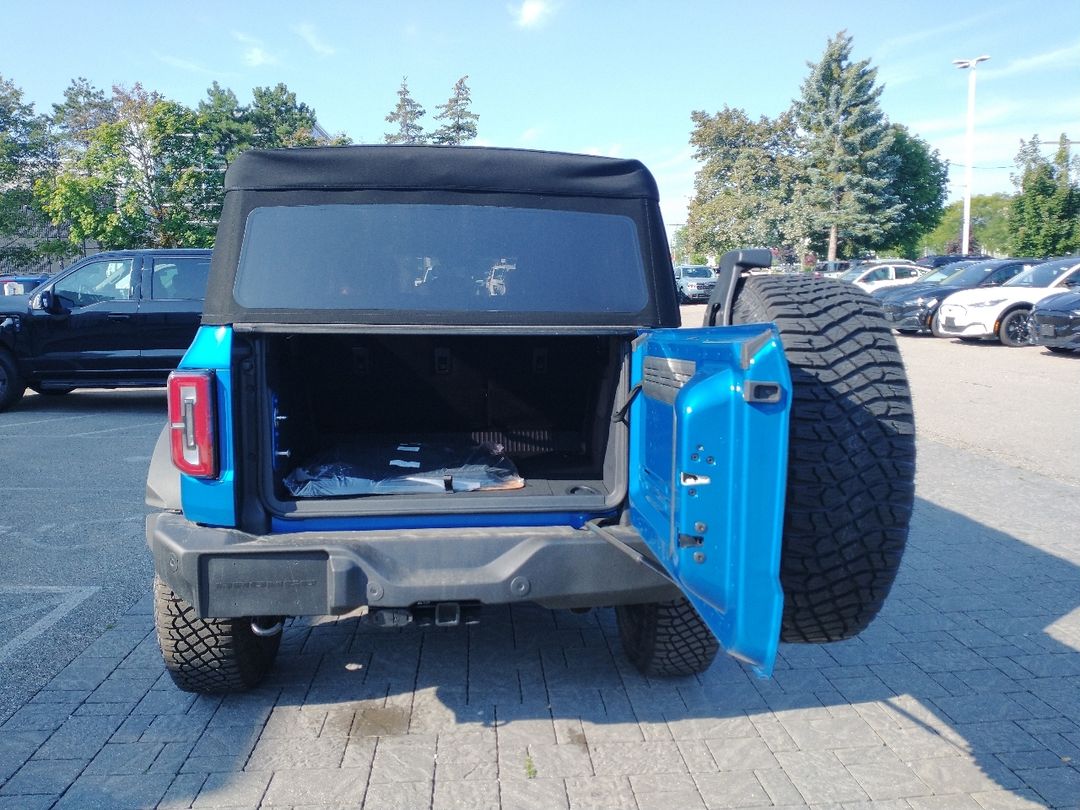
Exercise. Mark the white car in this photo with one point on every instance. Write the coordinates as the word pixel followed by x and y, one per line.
pixel 869 277
pixel 1002 312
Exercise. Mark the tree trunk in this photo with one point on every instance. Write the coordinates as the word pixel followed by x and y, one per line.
pixel 832 243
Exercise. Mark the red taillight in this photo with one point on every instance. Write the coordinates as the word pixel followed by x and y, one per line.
pixel 191 422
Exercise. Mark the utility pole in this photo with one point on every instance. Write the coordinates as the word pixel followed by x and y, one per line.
pixel 964 64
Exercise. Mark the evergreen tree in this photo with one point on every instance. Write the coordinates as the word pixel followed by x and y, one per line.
pixel 460 123
pixel 280 120
pixel 1045 213
pixel 84 109
pixel 851 166
pixel 406 115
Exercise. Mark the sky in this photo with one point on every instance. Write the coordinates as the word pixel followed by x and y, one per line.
pixel 594 76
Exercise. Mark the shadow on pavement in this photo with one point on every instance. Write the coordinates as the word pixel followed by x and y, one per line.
pixel 968 684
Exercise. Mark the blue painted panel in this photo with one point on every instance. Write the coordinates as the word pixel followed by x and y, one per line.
pixel 707 479
pixel 213 501
pixel 377 522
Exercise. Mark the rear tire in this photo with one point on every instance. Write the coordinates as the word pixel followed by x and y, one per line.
pixel 1014 329
pixel 209 655
pixel 12 386
pixel 666 638
pixel 851 452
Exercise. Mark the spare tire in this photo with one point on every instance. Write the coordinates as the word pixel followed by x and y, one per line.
pixel 851 452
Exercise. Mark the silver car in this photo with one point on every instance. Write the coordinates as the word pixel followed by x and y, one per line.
pixel 694 282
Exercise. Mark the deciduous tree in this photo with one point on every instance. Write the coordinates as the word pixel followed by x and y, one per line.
pixel 25 157
pixel 920 183
pixel 745 189
pixel 989 226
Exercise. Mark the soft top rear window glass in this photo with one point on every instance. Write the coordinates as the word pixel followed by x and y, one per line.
pixel 439 258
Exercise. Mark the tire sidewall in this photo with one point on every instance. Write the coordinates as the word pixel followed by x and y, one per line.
pixel 851 452
pixel 1010 318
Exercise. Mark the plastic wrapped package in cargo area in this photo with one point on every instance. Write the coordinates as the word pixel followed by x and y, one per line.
pixel 388 467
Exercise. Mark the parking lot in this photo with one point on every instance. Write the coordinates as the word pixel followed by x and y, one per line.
pixel 965 693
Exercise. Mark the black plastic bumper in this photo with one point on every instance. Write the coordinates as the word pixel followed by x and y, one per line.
pixel 227 573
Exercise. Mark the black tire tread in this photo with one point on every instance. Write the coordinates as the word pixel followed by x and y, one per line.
pixel 666 638
pixel 209 655
pixel 851 453
pixel 12 386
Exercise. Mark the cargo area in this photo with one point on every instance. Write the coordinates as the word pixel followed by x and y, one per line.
pixel 436 423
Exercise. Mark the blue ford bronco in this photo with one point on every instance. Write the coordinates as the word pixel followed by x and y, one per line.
pixel 433 378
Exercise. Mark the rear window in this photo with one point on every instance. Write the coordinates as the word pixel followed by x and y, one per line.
pixel 439 258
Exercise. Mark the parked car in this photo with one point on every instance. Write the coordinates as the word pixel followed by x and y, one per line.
pixel 913 308
pixel 869 277
pixel 831 269
pixel 20 283
pixel 114 320
pixel 420 445
pixel 1055 322
pixel 694 282
pixel 1002 312
pixel 938 261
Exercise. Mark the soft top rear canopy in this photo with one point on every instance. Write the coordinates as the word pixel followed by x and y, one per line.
pixel 445 168
pixel 276 269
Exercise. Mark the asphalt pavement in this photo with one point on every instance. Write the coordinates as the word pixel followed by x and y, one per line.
pixel 965 693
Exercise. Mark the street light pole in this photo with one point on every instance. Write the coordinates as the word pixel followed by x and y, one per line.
pixel 964 64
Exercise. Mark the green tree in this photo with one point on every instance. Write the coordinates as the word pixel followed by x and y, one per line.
pixel 920 183
pixel 850 162
pixel 278 119
pixel 406 115
pixel 460 120
pixel 989 226
pixel 1045 213
pixel 26 156
pixel 140 181
pixel 681 252
pixel 83 110
pixel 744 193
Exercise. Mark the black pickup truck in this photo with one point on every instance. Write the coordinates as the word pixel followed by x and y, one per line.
pixel 118 319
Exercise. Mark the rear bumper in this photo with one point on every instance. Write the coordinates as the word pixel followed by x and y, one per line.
pixel 227 573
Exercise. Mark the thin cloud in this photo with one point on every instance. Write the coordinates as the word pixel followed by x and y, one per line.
pixel 183 64
pixel 906 41
pixel 307 32
pixel 531 135
pixel 531 13
pixel 255 55
pixel 1066 57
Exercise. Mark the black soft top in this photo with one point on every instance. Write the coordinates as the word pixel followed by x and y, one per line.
pixel 440 168
pixel 439 175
